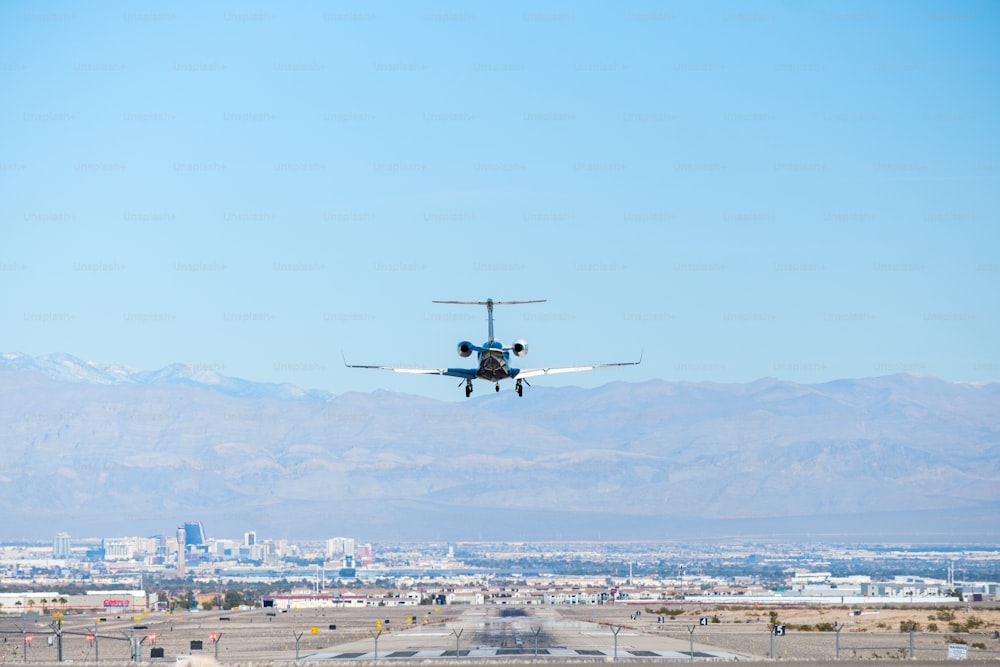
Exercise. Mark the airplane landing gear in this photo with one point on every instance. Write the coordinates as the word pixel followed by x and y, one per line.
pixel 497 386
pixel 519 388
pixel 468 388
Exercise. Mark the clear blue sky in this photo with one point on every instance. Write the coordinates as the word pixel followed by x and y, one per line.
pixel 806 190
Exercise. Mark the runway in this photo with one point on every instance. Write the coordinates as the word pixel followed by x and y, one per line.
pixel 494 632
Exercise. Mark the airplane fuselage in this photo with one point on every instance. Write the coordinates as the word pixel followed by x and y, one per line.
pixel 494 362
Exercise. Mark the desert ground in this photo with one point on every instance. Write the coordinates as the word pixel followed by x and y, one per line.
pixel 508 635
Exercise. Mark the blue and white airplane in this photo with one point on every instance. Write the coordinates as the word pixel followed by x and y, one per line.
pixel 494 358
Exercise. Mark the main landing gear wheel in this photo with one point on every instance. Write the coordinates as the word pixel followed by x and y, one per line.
pixel 468 388
pixel 497 386
pixel 519 388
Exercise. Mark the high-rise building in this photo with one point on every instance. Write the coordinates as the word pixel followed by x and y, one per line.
pixel 194 534
pixel 363 554
pixel 181 548
pixel 338 547
pixel 118 549
pixel 250 538
pixel 61 546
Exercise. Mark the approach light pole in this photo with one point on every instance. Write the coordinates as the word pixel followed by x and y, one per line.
pixel 27 637
pixel 691 640
pixel 837 627
pixel 297 638
pixel 216 636
pixel 56 626
pixel 375 636
pixel 536 631
pixel 616 629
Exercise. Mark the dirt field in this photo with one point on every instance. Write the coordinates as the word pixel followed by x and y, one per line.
pixel 507 635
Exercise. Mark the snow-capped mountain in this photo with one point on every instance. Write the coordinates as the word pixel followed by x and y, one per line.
pixel 67 368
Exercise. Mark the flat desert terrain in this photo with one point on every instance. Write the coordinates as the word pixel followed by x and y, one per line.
pixel 512 635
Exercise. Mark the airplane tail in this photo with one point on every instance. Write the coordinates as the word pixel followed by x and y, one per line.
pixel 489 303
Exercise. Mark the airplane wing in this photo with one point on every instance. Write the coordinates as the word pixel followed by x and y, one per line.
pixel 467 373
pixel 535 372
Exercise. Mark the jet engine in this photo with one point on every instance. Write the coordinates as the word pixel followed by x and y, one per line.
pixel 520 348
pixel 464 348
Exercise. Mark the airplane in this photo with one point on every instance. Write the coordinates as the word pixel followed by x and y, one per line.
pixel 493 357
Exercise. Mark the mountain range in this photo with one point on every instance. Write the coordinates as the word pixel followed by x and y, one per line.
pixel 96 449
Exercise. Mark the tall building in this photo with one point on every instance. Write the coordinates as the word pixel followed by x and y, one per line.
pixel 194 534
pixel 61 546
pixel 181 548
pixel 363 554
pixel 250 538
pixel 118 549
pixel 338 547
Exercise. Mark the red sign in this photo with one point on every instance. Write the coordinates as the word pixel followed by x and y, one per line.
pixel 117 603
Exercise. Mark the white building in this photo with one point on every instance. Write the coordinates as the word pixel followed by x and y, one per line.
pixel 61 546
pixel 118 549
pixel 339 547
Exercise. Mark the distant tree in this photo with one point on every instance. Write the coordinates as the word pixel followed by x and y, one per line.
pixel 233 599
pixel 206 605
